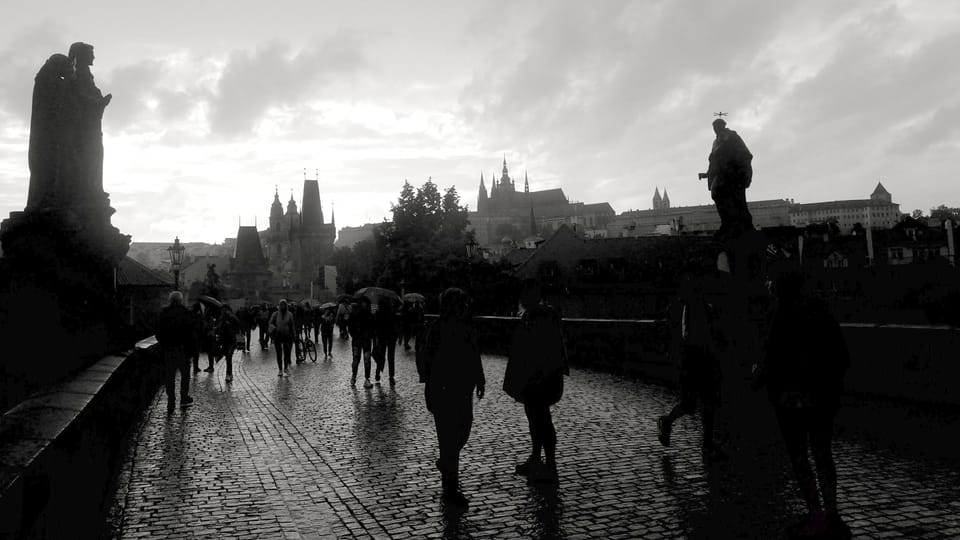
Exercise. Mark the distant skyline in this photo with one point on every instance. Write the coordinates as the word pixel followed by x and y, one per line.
pixel 215 103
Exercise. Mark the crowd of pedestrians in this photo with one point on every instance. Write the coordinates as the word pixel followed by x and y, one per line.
pixel 803 376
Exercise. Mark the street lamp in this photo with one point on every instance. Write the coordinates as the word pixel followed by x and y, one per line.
pixel 176 261
pixel 472 246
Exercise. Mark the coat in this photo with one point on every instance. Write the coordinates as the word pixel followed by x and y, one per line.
pixel 174 329
pixel 538 359
pixel 282 327
pixel 449 363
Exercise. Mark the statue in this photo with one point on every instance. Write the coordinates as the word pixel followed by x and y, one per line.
pixel 728 177
pixel 66 141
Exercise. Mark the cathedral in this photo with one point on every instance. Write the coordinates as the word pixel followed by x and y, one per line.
pixel 299 242
pixel 507 212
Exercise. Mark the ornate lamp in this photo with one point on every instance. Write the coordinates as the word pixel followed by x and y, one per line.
pixel 176 260
pixel 472 247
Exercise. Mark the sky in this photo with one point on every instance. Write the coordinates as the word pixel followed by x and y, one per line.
pixel 217 104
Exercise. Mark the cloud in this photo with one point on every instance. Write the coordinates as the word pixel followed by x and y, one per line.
pixel 254 81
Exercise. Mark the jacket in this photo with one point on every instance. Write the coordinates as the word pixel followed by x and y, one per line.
pixel 538 358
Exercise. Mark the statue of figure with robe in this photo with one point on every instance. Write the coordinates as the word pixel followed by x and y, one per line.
pixel 728 177
pixel 66 139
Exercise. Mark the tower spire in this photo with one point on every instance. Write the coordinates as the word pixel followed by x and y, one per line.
pixel 526 183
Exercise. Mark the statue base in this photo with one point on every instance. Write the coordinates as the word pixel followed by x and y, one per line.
pixel 58 294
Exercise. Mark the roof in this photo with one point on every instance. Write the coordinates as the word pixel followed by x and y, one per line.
pixel 599 207
pixel 880 190
pixel 855 203
pixel 248 255
pixel 548 197
pixel 131 273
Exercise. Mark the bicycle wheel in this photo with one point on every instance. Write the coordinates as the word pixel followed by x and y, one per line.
pixel 301 354
pixel 311 349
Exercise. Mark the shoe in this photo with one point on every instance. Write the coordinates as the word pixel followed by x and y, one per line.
pixel 209 369
pixel 196 370
pixel 171 406
pixel 186 402
pixel 455 499
pixel 393 381
pixel 836 528
pixel 527 467
pixel 280 373
pixel 366 384
pixel 663 430
pixel 229 378
pixel 286 371
pixel 353 381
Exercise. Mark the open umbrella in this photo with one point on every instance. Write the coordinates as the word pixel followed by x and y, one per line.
pixel 414 297
pixel 210 301
pixel 328 305
pixel 376 293
pixel 306 303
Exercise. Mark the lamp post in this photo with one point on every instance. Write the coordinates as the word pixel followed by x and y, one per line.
pixel 176 261
pixel 472 246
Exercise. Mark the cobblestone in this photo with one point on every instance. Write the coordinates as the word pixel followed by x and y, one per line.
pixel 310 457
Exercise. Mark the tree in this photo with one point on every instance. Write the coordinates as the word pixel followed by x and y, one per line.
pixel 917 214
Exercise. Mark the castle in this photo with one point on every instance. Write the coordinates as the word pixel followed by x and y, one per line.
pixel 508 213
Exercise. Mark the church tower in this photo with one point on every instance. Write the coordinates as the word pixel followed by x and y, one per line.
pixel 505 182
pixel 657 201
pixel 276 211
pixel 665 203
pixel 482 196
pixel 526 183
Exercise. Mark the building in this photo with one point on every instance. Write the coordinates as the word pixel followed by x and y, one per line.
pixel 247 273
pixel 507 212
pixel 298 244
pixel 877 212
pixel 350 236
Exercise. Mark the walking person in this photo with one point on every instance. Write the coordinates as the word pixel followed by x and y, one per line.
pixel 282 332
pixel 385 338
pixel 263 324
pixel 361 339
pixel 227 330
pixel 695 349
pixel 327 320
pixel 804 368
pixel 175 337
pixel 534 377
pixel 196 321
pixel 210 339
pixel 449 364
pixel 315 316
pixel 343 319
pixel 247 322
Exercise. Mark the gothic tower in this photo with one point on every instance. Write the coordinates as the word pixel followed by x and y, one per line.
pixel 657 201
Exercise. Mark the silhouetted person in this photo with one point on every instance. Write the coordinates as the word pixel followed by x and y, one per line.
pixel 174 332
pixel 281 332
pixel 315 316
pixel 247 322
pixel 327 319
pixel 210 339
pixel 196 320
pixel 693 328
pixel 227 330
pixel 385 338
pixel 361 328
pixel 343 319
pixel 449 364
pixel 729 175
pixel 534 377
pixel 804 368
pixel 412 322
pixel 263 325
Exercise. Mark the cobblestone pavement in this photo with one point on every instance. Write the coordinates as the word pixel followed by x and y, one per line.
pixel 310 457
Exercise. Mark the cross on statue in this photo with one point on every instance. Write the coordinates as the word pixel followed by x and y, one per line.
pixel 721 114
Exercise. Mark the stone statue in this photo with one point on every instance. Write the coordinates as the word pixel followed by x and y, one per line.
pixel 728 177
pixel 66 141
pixel 49 131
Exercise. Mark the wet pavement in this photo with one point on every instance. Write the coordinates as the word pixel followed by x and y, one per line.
pixel 308 456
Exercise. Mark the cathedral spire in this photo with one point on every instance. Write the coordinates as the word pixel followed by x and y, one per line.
pixel 526 183
pixel 657 201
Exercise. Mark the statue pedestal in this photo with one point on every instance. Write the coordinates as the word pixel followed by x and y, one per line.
pixel 57 292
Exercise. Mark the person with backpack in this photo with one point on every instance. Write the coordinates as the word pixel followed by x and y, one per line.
pixel 448 363
pixel 536 366
pixel 282 332
pixel 327 319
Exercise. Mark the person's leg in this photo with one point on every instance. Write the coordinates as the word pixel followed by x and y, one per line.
pixel 391 356
pixel 246 335
pixel 195 358
pixel 794 432
pixel 184 380
pixel 548 437
pixel 366 360
pixel 533 423
pixel 377 350
pixel 821 439
pixel 228 354
pixel 279 348
pixel 287 347
pixel 357 351
pixel 169 380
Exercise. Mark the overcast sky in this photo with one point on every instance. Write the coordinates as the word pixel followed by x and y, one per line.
pixel 215 103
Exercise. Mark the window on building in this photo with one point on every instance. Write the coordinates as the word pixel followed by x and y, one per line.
pixel 896 253
pixel 549 270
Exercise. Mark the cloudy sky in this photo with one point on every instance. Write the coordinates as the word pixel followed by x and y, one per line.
pixel 215 103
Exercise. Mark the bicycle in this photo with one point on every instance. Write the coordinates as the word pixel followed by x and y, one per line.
pixel 305 347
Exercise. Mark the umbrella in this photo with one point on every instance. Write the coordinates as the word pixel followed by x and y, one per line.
pixel 376 293
pixel 344 298
pixel 328 305
pixel 305 302
pixel 414 297
pixel 210 301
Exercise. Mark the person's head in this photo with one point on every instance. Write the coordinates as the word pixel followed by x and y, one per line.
pixel 531 293
pixel 175 298
pixel 719 125
pixel 282 306
pixel 454 303
pixel 81 54
pixel 197 308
